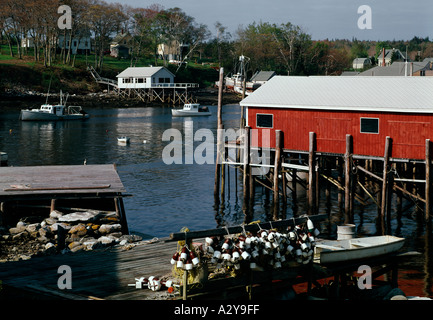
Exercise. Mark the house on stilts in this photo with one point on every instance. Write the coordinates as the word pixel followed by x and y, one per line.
pixel 149 84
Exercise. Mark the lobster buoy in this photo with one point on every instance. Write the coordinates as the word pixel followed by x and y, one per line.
pixel 195 261
pixel 175 258
pixel 154 284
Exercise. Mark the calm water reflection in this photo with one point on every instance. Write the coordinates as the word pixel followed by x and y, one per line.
pixel 165 197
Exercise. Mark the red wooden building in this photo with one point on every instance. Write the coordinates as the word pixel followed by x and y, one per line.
pixel 368 108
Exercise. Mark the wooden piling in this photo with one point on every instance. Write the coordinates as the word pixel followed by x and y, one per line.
pixel 385 183
pixel 246 162
pixel 219 139
pixel 347 176
pixel 220 96
pixel 311 174
pixel 340 182
pixel 277 169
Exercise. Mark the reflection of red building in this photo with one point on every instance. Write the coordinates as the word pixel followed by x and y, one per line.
pixel 368 108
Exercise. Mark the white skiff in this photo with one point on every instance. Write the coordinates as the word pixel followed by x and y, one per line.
pixel 331 251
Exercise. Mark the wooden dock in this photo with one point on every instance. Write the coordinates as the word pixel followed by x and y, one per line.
pixel 100 274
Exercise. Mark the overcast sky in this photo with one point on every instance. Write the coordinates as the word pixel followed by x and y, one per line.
pixel 332 19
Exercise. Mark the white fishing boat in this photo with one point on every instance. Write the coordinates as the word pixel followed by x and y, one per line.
pixel 48 112
pixel 123 140
pixel 236 80
pixel 332 251
pixel 191 110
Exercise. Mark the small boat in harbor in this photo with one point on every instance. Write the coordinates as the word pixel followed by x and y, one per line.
pixel 332 251
pixel 48 112
pixel 191 110
pixel 123 140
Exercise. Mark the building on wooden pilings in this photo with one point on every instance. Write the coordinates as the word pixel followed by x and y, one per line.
pixel 40 189
pixel 358 120
pixel 149 84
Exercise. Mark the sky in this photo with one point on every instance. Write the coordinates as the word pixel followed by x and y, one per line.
pixel 322 19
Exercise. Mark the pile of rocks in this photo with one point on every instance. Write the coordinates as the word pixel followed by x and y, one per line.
pixel 87 230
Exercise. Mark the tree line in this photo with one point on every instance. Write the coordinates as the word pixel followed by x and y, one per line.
pixel 284 48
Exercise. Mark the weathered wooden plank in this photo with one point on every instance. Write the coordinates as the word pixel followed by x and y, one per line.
pixel 250 227
pixel 102 274
pixel 58 178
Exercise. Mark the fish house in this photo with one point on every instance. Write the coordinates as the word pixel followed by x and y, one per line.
pixel 367 108
pixel 145 77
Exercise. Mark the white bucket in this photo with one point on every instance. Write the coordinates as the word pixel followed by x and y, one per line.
pixel 346 231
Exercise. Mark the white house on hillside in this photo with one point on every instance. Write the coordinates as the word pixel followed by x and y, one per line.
pixel 391 55
pixel 361 63
pixel 145 77
pixel 80 42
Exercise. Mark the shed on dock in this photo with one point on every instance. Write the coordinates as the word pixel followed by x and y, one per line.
pixel 368 108
pixel 40 189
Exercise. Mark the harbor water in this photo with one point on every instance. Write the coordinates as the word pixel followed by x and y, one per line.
pixel 167 197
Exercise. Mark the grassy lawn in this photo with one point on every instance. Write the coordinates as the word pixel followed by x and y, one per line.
pixel 33 74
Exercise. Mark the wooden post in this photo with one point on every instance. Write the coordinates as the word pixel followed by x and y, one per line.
pixel 53 205
pixel 427 179
pixel 311 174
pixel 123 221
pixel 387 154
pixel 220 96
pixel 277 167
pixel 185 285
pixel 223 168
pixel 252 189
pixel 294 192
pixel 347 176
pixel 328 184
pixel 339 161
pixel 284 181
pixel 219 140
pixel 246 161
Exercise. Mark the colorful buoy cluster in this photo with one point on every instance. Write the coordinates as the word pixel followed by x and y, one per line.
pixel 265 248
pixel 185 259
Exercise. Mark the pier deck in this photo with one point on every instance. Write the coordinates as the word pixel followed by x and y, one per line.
pixel 101 274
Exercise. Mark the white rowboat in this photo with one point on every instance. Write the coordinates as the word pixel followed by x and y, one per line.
pixel 331 251
pixel 123 140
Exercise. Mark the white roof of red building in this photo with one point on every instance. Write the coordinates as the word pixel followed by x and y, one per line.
pixel 380 94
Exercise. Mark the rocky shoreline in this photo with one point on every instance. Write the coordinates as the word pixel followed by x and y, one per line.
pixel 62 233
pixel 16 98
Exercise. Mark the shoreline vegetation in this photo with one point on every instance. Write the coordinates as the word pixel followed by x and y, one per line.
pixel 24 80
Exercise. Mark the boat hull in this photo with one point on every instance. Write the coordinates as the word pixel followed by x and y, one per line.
pixel 327 252
pixel 29 115
pixel 185 113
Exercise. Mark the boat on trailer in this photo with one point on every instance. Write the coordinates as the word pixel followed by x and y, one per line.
pixel 191 110
pixel 333 251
